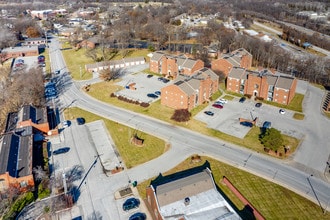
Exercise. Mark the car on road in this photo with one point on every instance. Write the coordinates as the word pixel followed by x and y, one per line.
pixel 131 203
pixel 138 216
pixel 157 92
pixel 80 121
pixel 152 95
pixel 217 106
pixel 209 113
pixel 61 150
pixel 267 124
pixel 241 100
pixel 282 111
pixel 258 104
pixel 246 124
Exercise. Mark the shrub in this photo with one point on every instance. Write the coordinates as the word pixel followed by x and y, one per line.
pixel 181 115
pixel 144 104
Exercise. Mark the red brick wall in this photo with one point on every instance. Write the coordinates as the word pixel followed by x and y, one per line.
pixel 198 65
pixel 153 66
pixel 174 97
pixel 238 194
pixel 221 65
pixel 152 204
pixel 233 85
pixel 171 68
pixel 246 61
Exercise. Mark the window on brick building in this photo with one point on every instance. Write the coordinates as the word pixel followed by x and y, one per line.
pixel 256 86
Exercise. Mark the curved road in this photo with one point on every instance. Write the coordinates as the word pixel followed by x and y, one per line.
pixel 185 142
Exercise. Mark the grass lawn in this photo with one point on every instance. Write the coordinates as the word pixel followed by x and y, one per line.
pixel 77 59
pixel 131 154
pixel 271 200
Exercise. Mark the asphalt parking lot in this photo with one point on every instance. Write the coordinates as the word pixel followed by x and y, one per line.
pixel 143 86
pixel 25 62
pixel 226 119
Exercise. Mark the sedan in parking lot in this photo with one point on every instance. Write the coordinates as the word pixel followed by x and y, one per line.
pixel 80 121
pixel 61 150
pixel 217 106
pixel 152 95
pixel 241 100
pixel 282 111
pixel 224 101
pixel 258 104
pixel 131 203
pixel 138 216
pixel 157 92
pixel 209 113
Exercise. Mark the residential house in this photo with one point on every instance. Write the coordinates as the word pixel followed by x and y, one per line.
pixel 21 147
pixel 237 58
pixel 114 64
pixel 189 91
pixel 170 66
pixel 187 195
pixel 90 43
pixel 275 87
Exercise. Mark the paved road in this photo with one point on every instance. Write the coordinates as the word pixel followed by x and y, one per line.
pixel 184 143
pixel 302 29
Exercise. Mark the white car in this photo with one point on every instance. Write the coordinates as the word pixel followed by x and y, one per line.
pixel 224 101
pixel 65 124
pixel 282 111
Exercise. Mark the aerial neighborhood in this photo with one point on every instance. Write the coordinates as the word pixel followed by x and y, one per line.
pixel 164 110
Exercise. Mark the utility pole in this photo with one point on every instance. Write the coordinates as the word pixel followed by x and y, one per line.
pixel 80 72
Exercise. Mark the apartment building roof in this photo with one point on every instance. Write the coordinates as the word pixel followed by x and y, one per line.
pixel 156 56
pixel 236 73
pixel 193 197
pixel 186 63
pixel 271 79
pixel 284 82
pixel 206 72
pixel 15 155
pixel 20 49
pixel 185 86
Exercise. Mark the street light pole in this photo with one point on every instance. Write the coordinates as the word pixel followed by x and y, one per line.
pixel 317 198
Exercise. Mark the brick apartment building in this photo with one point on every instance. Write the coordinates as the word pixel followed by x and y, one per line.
pixel 187 196
pixel 237 58
pixel 265 85
pixel 189 91
pixel 21 147
pixel 171 66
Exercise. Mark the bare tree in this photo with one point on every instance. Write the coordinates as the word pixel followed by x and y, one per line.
pixel 108 74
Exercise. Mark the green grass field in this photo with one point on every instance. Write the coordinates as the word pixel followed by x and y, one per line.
pixel 271 200
pixel 131 154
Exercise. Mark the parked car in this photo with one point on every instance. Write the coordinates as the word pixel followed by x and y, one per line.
pixel 282 111
pixel 267 124
pixel 138 216
pixel 66 124
pixel 165 80
pixel 258 104
pixel 209 113
pixel 131 203
pixel 152 95
pixel 241 100
pixel 224 101
pixel 157 92
pixel 150 75
pixel 217 106
pixel 61 150
pixel 80 121
pixel 160 78
pixel 247 124
pixel 57 72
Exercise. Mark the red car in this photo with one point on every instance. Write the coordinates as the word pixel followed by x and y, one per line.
pixel 217 106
